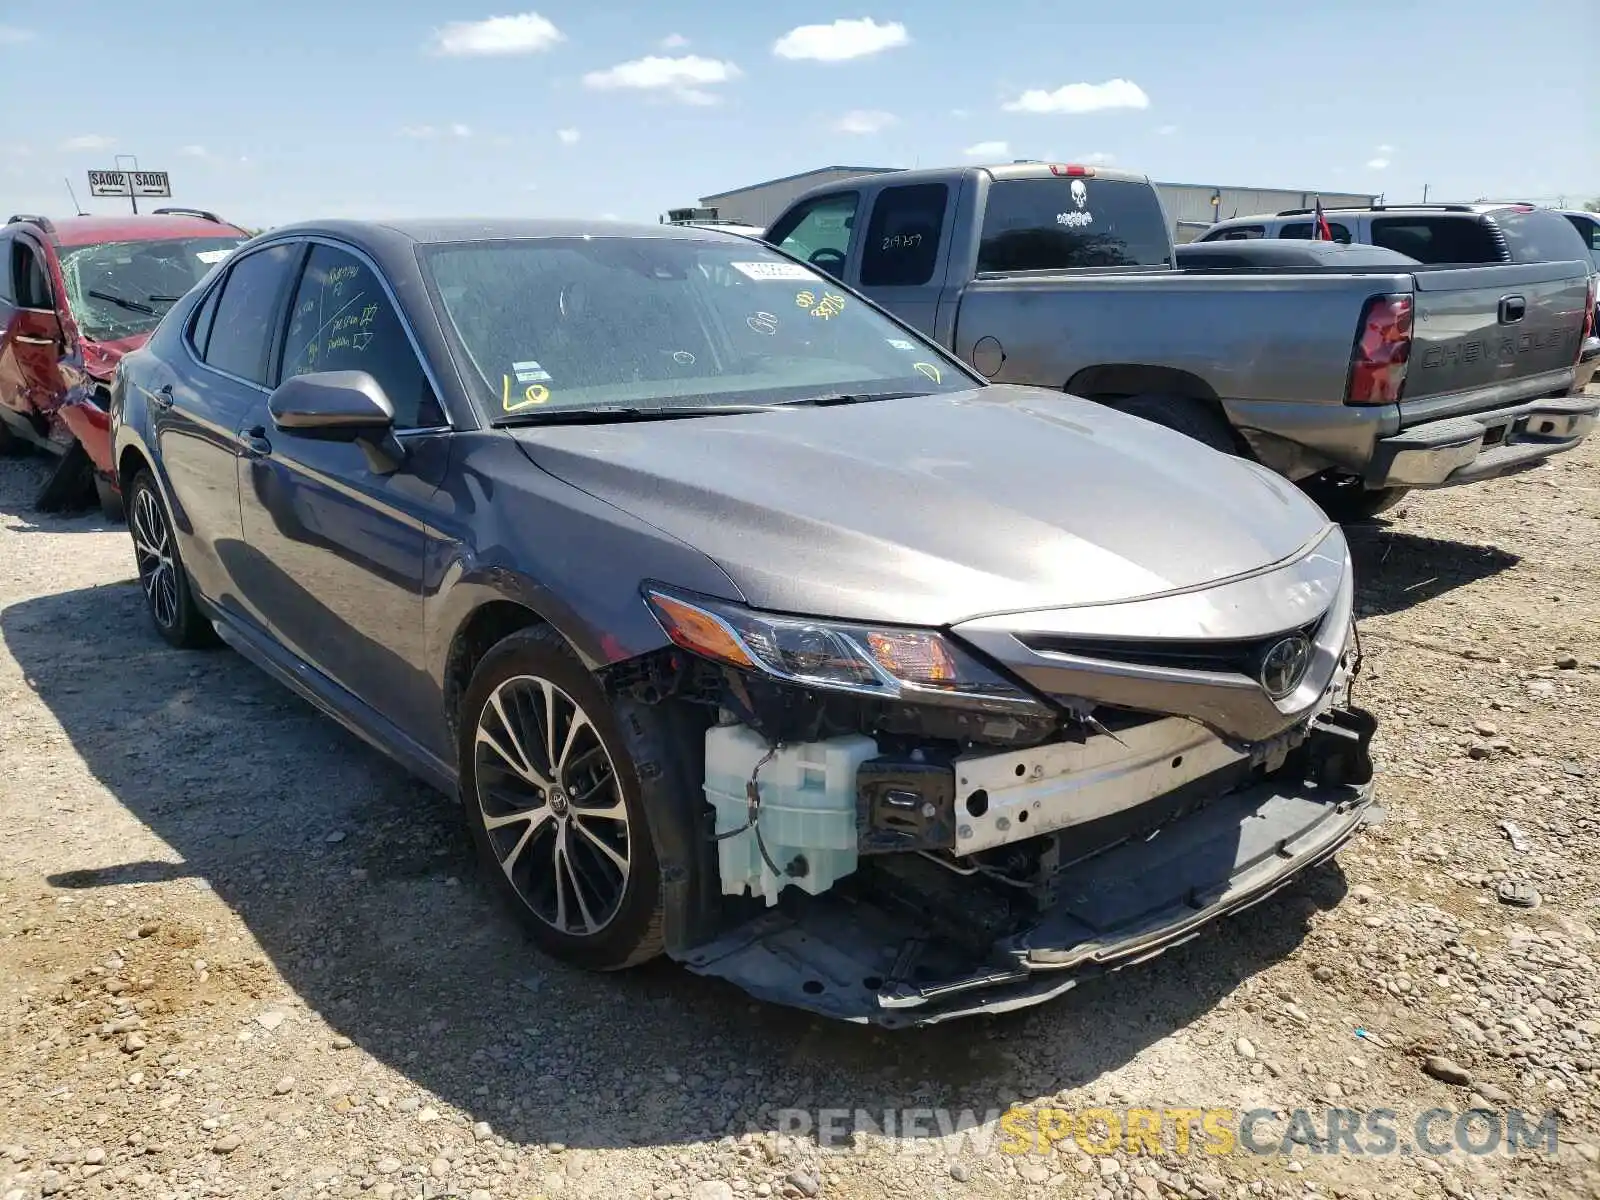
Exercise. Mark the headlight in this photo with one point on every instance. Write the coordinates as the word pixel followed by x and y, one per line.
pixel 914 665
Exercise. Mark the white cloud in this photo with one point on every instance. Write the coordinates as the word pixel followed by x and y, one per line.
pixel 959 113
pixel 524 33
pixel 1077 98
pixel 1166 130
pixel 1385 149
pixel 865 121
pixel 840 41
pixel 988 150
pixel 12 35
pixel 461 131
pixel 685 77
pixel 1377 164
pixel 192 151
pixel 418 131
pixel 674 41
pixel 88 141
pixel 568 137
pixel 1098 159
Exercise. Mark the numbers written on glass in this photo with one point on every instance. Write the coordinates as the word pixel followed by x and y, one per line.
pixel 902 241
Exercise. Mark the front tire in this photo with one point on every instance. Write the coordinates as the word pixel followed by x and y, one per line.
pixel 168 598
pixel 553 802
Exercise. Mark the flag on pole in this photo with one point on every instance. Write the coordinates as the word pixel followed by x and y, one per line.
pixel 1320 232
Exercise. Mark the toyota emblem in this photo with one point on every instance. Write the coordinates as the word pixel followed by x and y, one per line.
pixel 1284 665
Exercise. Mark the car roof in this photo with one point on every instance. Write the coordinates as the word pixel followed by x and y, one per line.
pixel 391 235
pixel 1480 208
pixel 146 227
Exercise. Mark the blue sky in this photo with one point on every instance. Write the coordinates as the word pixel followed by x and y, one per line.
pixel 482 107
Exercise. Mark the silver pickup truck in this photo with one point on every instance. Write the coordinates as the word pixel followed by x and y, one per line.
pixel 1358 383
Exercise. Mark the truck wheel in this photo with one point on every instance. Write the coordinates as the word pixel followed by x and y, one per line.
pixel 553 800
pixel 1192 418
pixel 1348 503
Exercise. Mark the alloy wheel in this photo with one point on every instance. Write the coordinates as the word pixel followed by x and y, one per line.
pixel 552 805
pixel 152 549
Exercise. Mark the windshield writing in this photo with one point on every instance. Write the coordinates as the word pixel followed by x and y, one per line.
pixel 645 322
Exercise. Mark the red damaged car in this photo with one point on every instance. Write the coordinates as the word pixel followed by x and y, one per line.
pixel 77 294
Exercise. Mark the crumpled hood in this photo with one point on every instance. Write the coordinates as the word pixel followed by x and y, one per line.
pixel 936 509
pixel 100 359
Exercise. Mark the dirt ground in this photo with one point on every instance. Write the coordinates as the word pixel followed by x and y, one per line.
pixel 242 955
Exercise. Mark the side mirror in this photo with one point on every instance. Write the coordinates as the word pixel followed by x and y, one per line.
pixel 340 406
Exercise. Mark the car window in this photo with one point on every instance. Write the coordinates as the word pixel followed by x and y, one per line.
pixel 1059 224
pixel 563 323
pixel 1441 239
pixel 30 284
pixel 249 312
pixel 902 245
pixel 1301 231
pixel 818 232
pixel 1589 229
pixel 123 289
pixel 1236 233
pixel 200 326
pixel 342 320
pixel 1539 235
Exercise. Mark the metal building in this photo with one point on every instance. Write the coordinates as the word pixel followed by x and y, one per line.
pixel 1191 207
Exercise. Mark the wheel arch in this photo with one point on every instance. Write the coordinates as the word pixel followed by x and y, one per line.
pixel 491 622
pixel 1108 380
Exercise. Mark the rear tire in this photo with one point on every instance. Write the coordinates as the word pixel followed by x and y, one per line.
pixel 1348 503
pixel 168 598
pixel 1192 418
pixel 553 802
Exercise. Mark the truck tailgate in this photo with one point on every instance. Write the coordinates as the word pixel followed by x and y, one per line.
pixel 1477 328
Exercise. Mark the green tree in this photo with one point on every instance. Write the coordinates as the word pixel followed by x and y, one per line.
pixel 1592 205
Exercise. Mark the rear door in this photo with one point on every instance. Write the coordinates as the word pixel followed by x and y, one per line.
pixel 199 401
pixel 1495 326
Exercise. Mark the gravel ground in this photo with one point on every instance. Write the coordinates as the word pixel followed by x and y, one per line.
pixel 243 955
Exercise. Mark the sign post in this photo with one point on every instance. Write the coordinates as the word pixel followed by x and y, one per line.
pixel 131 184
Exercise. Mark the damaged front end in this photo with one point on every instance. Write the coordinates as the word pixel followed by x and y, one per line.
pixel 914 825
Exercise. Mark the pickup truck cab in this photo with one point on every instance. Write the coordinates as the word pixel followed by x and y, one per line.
pixel 1358 382
pixel 76 294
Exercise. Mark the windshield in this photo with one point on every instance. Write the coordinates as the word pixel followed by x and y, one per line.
pixel 122 289
pixel 654 323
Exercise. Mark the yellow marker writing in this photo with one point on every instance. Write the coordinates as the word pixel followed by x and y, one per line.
pixel 536 393
pixel 930 371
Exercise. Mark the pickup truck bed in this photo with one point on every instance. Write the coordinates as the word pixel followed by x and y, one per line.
pixel 1358 382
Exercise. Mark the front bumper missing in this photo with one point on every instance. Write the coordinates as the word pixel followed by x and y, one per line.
pixel 1478 446
pixel 845 955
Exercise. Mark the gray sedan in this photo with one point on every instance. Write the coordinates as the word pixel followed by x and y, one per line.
pixel 749 626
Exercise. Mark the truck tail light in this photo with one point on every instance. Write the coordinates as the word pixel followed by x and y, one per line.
pixel 1382 350
pixel 1589 303
pixel 1072 171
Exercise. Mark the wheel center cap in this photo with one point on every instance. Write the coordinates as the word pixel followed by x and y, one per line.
pixel 559 804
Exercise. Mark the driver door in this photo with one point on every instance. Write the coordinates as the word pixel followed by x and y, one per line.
pixel 820 231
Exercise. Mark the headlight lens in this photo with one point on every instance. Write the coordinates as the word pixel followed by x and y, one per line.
pixel 915 665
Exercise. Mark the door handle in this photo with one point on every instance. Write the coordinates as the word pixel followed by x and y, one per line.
pixel 256 444
pixel 27 339
pixel 162 397
pixel 1512 309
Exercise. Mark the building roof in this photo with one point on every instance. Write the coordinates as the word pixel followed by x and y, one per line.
pixel 750 187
